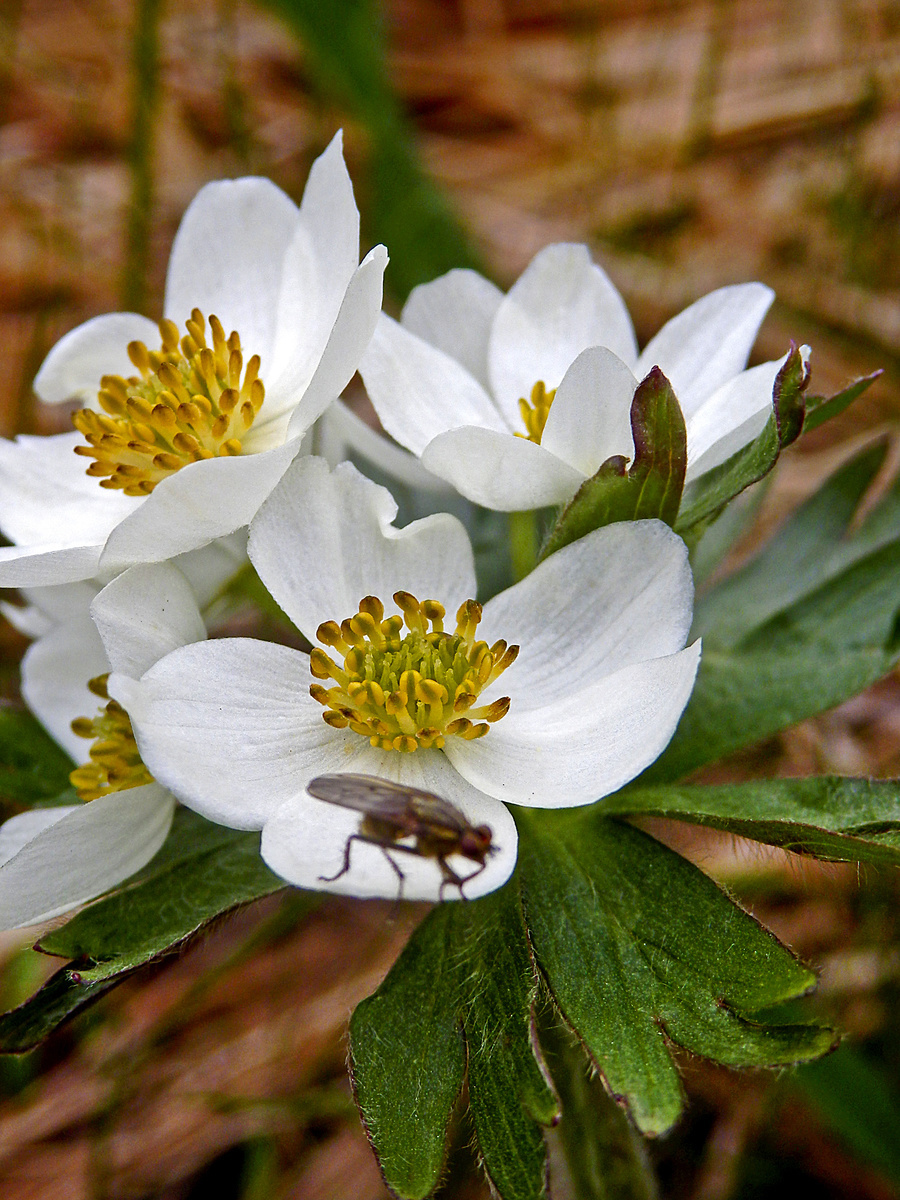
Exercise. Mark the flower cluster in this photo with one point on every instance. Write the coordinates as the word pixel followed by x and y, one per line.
pixel 420 713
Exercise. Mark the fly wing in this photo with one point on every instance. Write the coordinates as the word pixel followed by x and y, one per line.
pixel 435 812
pixel 366 794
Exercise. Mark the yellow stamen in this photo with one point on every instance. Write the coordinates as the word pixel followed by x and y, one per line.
pixel 403 692
pixel 115 764
pixel 536 411
pixel 188 403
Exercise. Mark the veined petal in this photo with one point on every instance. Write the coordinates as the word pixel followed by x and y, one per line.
pixel 48 565
pixel 590 418
pixel 583 746
pixel 46 497
pixel 347 340
pixel 81 854
pixel 622 594
pixel 420 392
pixel 55 673
pixel 227 259
pixel 73 368
pixel 329 214
pixel 229 726
pixel 702 347
pixel 499 470
pixel 144 614
pixel 324 540
pixel 455 313
pixel 561 304
pixel 732 416
pixel 340 434
pixel 201 502
pixel 307 838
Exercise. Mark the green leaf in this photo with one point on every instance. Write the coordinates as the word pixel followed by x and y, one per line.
pixel 605 1156
pixel 33 769
pixel 820 409
pixel 408 1058
pixel 842 820
pixel 705 498
pixel 202 871
pixel 650 488
pixel 638 947
pixel 508 1089
pixel 827 647
pixel 63 995
pixel 793 562
pixel 467 976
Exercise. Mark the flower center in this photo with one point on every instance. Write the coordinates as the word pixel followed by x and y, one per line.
pixel 536 411
pixel 115 764
pixel 403 691
pixel 187 403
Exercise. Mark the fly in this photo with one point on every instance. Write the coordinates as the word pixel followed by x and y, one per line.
pixel 392 812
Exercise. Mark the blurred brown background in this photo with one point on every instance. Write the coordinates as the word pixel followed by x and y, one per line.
pixel 692 144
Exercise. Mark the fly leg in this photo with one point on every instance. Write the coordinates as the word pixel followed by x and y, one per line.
pixel 361 837
pixel 451 877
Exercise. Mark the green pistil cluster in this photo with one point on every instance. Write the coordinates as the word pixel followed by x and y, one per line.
pixel 536 411
pixel 188 403
pixel 115 764
pixel 406 690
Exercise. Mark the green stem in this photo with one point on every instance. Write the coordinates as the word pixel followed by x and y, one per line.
pixel 145 63
pixel 523 543
pixel 604 1155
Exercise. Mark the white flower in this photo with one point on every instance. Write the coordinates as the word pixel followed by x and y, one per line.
pixel 467 367
pixel 288 281
pixel 593 697
pixel 53 859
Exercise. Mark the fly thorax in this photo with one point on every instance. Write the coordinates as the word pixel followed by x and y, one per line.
pixel 403 682
pixel 114 762
pixel 536 411
pixel 189 401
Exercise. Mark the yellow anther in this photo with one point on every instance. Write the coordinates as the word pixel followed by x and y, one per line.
pixel 115 764
pixel 536 411
pixel 188 403
pixel 405 682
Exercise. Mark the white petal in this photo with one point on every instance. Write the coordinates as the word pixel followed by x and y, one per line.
pixel 324 540
pixel 201 502
pixel 229 726
pixel 46 497
pixel 346 342
pixel 227 259
pixel 455 313
pixel 330 217
pixel 622 594
pixel 55 674
pixel 500 470
pixel 18 831
pixel 73 368
pixel 418 391
pixel 90 849
pixel 340 434
pixel 583 746
pixel 307 838
pixel 211 567
pixel 145 613
pixel 27 620
pixel 732 416
pixel 47 565
pixel 560 305
pixel 702 347
pixel 590 418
